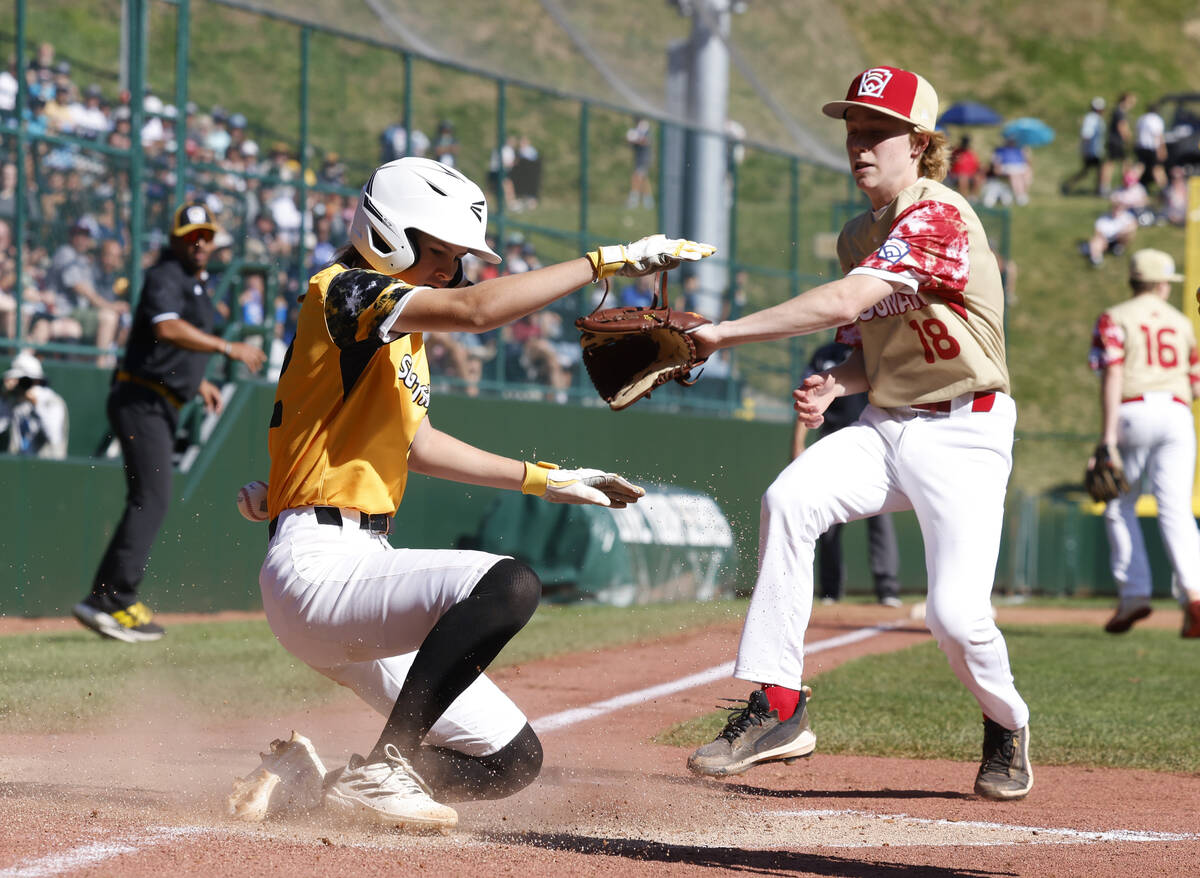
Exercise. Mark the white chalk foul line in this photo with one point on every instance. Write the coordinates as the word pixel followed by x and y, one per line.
pixel 575 715
pixel 97 852
pixel 1045 834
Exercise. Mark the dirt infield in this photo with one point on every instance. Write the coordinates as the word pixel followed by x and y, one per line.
pixel 143 796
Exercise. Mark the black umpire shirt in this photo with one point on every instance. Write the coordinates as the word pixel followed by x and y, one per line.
pixel 169 291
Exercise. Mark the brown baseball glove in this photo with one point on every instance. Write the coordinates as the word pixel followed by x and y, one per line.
pixel 632 350
pixel 1105 476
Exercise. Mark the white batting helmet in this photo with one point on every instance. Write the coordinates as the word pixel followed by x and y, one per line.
pixel 417 193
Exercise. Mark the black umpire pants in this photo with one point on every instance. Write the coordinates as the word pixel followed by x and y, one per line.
pixel 144 423
pixel 882 552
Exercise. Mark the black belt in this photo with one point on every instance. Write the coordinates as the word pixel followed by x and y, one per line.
pixel 375 522
pixel 161 389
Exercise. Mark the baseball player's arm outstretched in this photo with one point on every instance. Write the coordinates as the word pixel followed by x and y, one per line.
pixel 828 306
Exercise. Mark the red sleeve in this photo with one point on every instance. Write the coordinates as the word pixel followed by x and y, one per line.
pixel 1108 344
pixel 928 239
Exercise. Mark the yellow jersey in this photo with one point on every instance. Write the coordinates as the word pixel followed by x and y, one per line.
pixel 348 403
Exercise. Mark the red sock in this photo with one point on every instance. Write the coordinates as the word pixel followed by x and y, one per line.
pixel 782 699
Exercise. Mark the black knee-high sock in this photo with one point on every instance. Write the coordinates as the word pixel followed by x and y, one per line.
pixel 457 649
pixel 457 777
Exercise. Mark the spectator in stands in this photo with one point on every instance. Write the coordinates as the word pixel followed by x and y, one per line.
pixel 237 134
pixel 966 171
pixel 1150 147
pixel 397 141
pixel 1112 233
pixel 1118 139
pixel 73 281
pixel 445 144
pixel 8 88
pixel 1013 163
pixel 333 170
pixel 1175 197
pixel 89 118
pixel 8 190
pixel 526 174
pixel 639 292
pixel 32 299
pixel 121 135
pixel 500 167
pixel 1091 149
pixel 322 247
pixel 112 284
pixel 33 417
pixel 1134 197
pixel 639 138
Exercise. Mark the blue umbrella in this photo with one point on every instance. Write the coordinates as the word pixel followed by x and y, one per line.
pixel 1028 131
pixel 969 113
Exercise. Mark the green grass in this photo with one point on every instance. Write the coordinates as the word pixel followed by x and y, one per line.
pixel 1096 700
pixel 64 681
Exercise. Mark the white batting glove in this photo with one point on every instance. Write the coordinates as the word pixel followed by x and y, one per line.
pixel 579 486
pixel 646 256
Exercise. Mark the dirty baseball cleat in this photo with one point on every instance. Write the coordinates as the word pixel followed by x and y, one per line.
pixel 390 792
pixel 1005 772
pixel 290 779
pixel 1191 619
pixel 132 624
pixel 753 735
pixel 1128 611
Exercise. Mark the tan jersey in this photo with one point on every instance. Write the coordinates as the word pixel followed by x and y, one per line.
pixel 348 405
pixel 945 338
pixel 1155 344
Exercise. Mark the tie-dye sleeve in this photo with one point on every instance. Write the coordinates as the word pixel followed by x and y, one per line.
pixel 1108 344
pixel 357 302
pixel 928 241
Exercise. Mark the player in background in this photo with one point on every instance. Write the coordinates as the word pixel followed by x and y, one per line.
pixel 409 630
pixel 1144 350
pixel 922 300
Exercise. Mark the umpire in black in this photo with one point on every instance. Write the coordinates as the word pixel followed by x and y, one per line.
pixel 163 368
pixel 883 553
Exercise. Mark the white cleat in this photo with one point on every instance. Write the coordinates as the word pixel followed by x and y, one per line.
pixel 290 778
pixel 390 792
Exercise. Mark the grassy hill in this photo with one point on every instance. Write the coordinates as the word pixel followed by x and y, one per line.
pixel 1020 56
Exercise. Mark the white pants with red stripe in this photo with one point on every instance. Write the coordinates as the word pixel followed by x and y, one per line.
pixel 952 470
pixel 1157 441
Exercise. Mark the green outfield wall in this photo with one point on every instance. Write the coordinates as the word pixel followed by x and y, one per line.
pixel 58 515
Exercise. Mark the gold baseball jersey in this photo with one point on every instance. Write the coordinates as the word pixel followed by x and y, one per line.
pixel 1155 344
pixel 348 403
pixel 944 335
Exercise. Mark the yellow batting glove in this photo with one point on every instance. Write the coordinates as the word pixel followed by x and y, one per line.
pixel 645 256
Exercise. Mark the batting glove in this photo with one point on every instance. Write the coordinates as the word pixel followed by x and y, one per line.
pixel 645 256
pixel 579 486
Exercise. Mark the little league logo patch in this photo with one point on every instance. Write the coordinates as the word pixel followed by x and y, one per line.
pixel 874 81
pixel 893 250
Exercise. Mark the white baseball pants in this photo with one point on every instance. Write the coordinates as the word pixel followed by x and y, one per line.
pixel 1157 441
pixel 355 609
pixel 951 469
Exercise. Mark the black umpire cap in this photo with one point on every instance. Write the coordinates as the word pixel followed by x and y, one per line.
pixel 192 217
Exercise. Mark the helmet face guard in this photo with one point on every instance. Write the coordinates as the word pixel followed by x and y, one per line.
pixel 417 193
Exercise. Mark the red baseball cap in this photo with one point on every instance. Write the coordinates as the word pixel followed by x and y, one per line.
pixel 892 91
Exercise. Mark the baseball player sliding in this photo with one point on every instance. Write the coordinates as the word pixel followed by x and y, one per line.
pixel 922 301
pixel 1145 352
pixel 409 630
